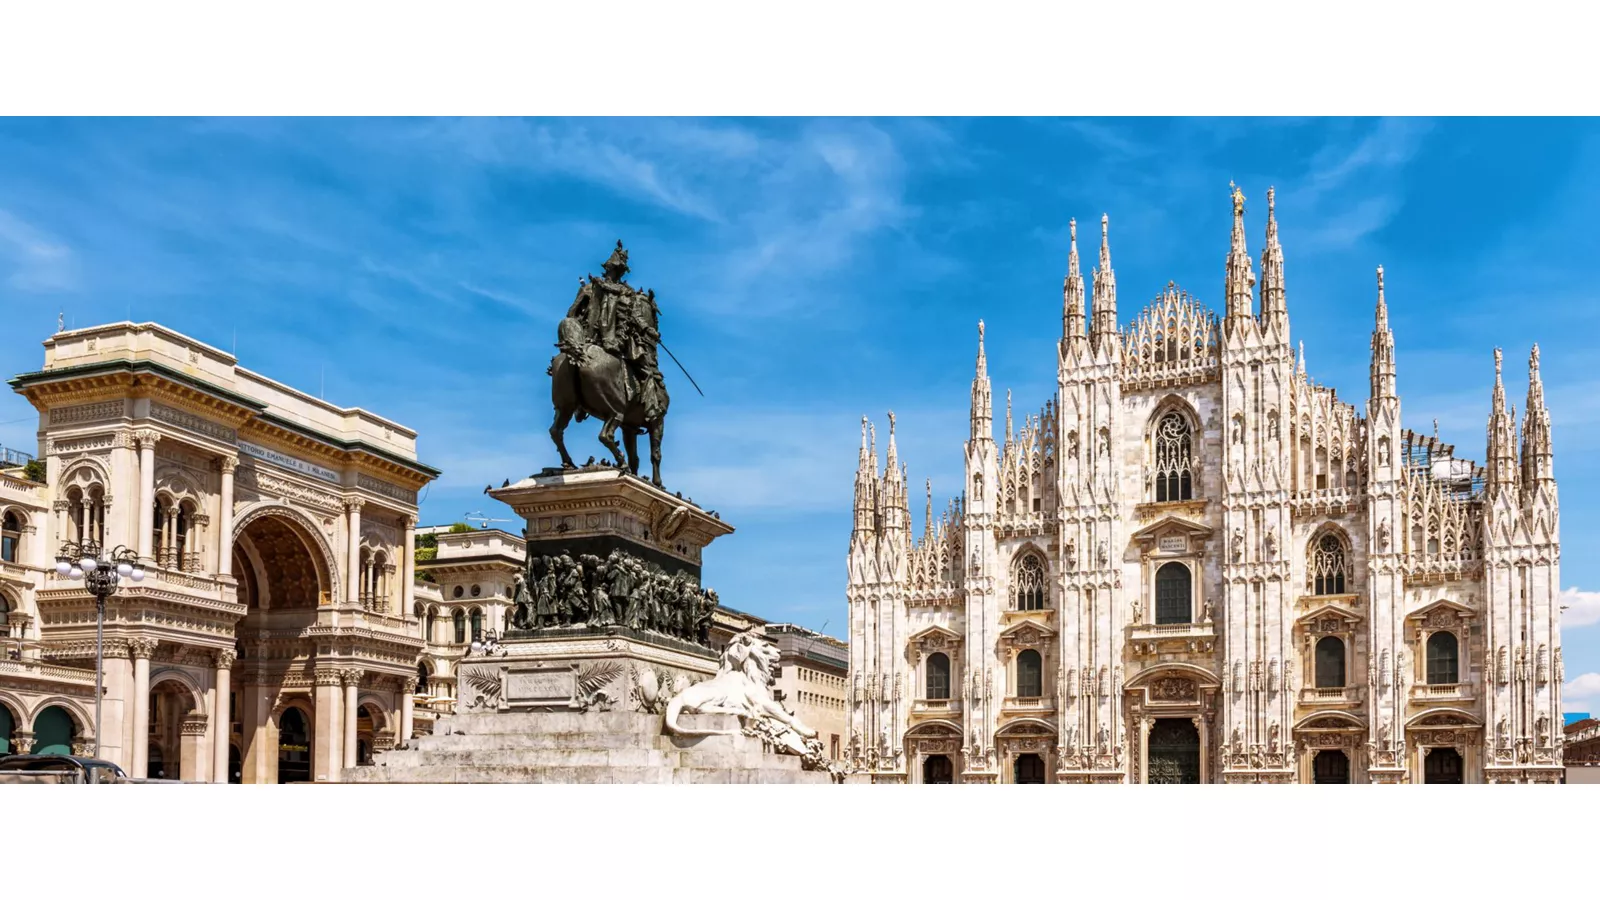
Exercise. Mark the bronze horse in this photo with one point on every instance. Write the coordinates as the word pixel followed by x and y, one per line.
pixel 598 384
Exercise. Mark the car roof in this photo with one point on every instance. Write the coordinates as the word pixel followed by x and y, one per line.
pixel 41 760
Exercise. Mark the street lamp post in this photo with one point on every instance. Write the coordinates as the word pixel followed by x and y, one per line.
pixel 99 573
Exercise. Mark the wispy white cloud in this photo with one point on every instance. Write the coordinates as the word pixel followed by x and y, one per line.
pixel 1579 608
pixel 1581 694
pixel 32 260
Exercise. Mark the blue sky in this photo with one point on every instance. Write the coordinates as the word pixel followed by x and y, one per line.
pixel 809 272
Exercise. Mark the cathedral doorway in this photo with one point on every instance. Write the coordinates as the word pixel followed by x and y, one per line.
pixel 1331 767
pixel 1442 766
pixel 1174 752
pixel 1029 769
pixel 938 770
pixel 294 747
pixel 235 765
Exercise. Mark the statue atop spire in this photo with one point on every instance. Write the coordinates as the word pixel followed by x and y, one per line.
pixel 1238 200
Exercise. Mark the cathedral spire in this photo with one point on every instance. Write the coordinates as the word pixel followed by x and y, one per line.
pixel 1382 348
pixel 866 499
pixel 982 406
pixel 1537 454
pixel 1241 278
pixel 1072 292
pixel 1274 310
pixel 1105 290
pixel 1300 367
pixel 927 516
pixel 1502 436
pixel 1010 432
pixel 892 467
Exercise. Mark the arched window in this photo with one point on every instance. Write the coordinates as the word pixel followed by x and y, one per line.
pixel 158 532
pixel 938 770
pixel 1443 657
pixel 1174 451
pixel 1327 566
pixel 5 616
pixel 1030 674
pixel 428 632
pixel 938 677
pixel 422 676
pixel 1027 582
pixel 1330 663
pixel 10 537
pixel 460 620
pixel 1174 600
pixel 477 624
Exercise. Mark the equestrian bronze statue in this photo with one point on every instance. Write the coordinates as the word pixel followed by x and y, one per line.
pixel 606 366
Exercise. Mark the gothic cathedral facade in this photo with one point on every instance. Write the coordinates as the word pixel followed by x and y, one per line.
pixel 1198 565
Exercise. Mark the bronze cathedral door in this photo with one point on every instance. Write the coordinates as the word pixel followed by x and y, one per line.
pixel 1174 752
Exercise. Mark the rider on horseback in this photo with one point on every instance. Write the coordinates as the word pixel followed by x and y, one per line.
pixel 606 366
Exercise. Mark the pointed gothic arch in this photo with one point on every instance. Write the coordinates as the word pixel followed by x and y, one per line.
pixel 1030 579
pixel 1172 448
pixel 1330 568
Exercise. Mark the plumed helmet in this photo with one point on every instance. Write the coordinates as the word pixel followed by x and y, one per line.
pixel 618 260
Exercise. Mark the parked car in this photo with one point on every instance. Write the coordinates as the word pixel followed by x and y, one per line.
pixel 54 769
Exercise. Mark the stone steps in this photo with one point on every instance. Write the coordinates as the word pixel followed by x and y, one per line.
pixel 571 747
pixel 584 775
pixel 627 758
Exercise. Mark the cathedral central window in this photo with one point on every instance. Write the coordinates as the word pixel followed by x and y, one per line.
pixel 1174 445
pixel 1027 583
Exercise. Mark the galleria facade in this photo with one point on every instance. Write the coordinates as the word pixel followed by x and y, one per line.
pixel 1198 565
pixel 271 640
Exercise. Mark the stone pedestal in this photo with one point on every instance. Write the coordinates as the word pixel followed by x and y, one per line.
pixel 580 668
pixel 596 510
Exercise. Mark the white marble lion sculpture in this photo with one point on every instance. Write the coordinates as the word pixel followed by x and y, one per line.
pixel 741 687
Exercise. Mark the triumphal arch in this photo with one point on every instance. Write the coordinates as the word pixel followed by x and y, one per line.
pixel 272 639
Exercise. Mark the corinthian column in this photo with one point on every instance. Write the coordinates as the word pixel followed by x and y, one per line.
pixel 147 491
pixel 222 717
pixel 408 572
pixel 353 570
pixel 225 518
pixel 407 712
pixel 141 649
pixel 352 679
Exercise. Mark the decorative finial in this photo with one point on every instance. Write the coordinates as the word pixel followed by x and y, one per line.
pixel 1533 360
pixel 1497 363
pixel 61 322
pixel 891 423
pixel 980 331
pixel 1238 199
pixel 1271 195
pixel 1436 429
pixel 1072 228
pixel 1380 279
pixel 1105 226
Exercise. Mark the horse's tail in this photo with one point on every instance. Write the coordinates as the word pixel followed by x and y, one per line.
pixel 674 708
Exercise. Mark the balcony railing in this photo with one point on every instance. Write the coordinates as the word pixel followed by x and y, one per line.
pixel 935 707
pixel 1348 694
pixel 1030 704
pixel 1455 691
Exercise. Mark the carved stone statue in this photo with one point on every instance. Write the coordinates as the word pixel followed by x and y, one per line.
pixel 1138 613
pixel 606 368
pixel 743 687
pixel 522 603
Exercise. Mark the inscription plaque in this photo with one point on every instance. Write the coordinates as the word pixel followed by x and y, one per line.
pixel 541 686
pixel 1173 543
